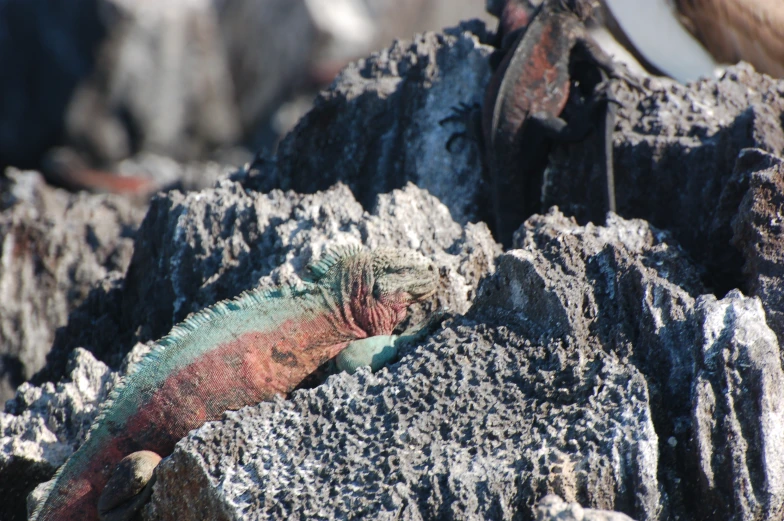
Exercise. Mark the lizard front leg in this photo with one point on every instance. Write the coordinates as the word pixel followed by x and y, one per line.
pixel 587 50
pixel 597 113
pixel 377 351
pixel 374 352
pixel 129 488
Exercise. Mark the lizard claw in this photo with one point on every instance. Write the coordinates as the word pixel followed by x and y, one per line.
pixel 424 327
pixel 129 488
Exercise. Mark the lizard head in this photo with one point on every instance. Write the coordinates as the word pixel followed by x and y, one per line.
pixel 377 286
pixel 402 277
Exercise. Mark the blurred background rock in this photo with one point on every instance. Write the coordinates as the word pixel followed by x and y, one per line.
pixel 188 79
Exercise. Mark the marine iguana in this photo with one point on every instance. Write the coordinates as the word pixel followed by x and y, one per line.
pixel 551 69
pixel 234 353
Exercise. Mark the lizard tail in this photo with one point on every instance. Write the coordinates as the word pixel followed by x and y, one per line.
pixel 74 491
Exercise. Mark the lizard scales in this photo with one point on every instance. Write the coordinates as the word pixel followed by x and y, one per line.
pixel 235 353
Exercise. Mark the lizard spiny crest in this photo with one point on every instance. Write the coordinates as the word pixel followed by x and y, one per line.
pixel 320 267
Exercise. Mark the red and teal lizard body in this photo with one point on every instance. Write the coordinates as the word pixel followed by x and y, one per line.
pixel 236 353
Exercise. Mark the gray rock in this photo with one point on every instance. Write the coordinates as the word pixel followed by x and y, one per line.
pixel 193 250
pixel 113 77
pixel 626 288
pixel 300 46
pixel 758 232
pixel 170 174
pixel 458 427
pixel 56 247
pixel 42 426
pixel 196 249
pixel 269 46
pixel 737 412
pixel 676 148
pixel 377 128
pixel 553 508
pixel 145 92
pixel 589 366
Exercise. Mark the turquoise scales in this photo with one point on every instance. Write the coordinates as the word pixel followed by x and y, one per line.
pixel 235 353
pixel 377 351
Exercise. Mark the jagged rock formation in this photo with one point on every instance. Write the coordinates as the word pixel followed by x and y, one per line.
pixel 55 248
pixel 633 367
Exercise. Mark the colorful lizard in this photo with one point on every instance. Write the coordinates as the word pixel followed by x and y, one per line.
pixel 235 353
pixel 549 64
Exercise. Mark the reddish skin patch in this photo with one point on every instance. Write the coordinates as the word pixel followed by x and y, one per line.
pixel 544 89
pixel 252 368
pixel 96 180
pixel 515 15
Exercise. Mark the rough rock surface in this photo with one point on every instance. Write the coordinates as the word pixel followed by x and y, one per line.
pixel 521 397
pixel 676 148
pixel 113 77
pixel 589 366
pixel 170 174
pixel 594 364
pixel 42 426
pixel 193 250
pixel 758 232
pixel 679 151
pixel 56 247
pixel 145 92
pixel 738 411
pixel 389 125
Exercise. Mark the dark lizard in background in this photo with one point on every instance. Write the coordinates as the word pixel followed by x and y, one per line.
pixel 551 84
